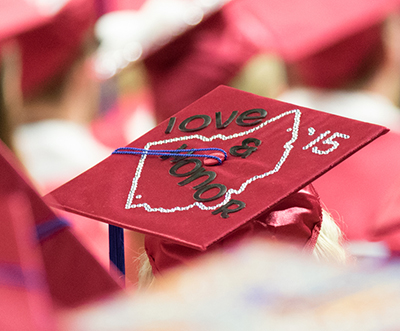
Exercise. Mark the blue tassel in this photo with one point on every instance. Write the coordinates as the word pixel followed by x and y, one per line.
pixel 117 250
pixel 171 152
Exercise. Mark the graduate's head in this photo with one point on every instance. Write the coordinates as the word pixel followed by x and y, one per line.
pixel 298 221
pixel 326 245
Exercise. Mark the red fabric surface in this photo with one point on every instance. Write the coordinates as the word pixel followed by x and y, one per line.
pixel 73 275
pixel 204 57
pixel 110 128
pixel 364 191
pixel 296 220
pixel 387 225
pixel 18 16
pixel 113 5
pixel 50 49
pixel 92 235
pixel 302 27
pixel 24 310
pixel 141 194
pixel 344 62
pixel 25 302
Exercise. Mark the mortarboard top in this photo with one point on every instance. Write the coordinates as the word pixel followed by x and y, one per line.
pixel 297 28
pixel 72 274
pixel 273 149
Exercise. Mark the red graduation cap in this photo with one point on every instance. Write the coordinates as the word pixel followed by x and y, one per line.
pixel 267 149
pixel 60 38
pixel 297 28
pixel 20 15
pixel 386 226
pixel 214 52
pixel 25 302
pixel 325 44
pixel 72 274
pixel 211 48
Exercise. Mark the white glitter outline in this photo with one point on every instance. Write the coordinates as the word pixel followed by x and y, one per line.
pixel 288 147
pixel 327 141
pixel 311 131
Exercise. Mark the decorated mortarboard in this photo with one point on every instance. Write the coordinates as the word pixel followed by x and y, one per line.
pixel 222 161
pixel 72 275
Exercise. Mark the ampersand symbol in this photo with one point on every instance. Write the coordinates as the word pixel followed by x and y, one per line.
pixel 245 146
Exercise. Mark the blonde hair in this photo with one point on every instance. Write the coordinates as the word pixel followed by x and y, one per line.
pixel 145 275
pixel 328 248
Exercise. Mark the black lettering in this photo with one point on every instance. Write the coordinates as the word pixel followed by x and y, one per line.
pixel 171 124
pixel 218 120
pixel 222 190
pixel 206 121
pixel 199 173
pixel 247 149
pixel 225 210
pixel 245 116
pixel 181 163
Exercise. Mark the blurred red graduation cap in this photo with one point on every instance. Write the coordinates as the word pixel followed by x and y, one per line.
pixel 216 49
pixel 20 15
pixel 326 44
pixel 73 276
pixel 386 226
pixel 273 150
pixel 204 57
pixel 208 46
pixel 49 43
pixel 25 302
pixel 296 28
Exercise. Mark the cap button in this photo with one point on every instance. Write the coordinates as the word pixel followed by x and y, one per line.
pixel 209 161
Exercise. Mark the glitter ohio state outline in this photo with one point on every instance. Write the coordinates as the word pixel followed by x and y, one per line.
pixel 288 146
